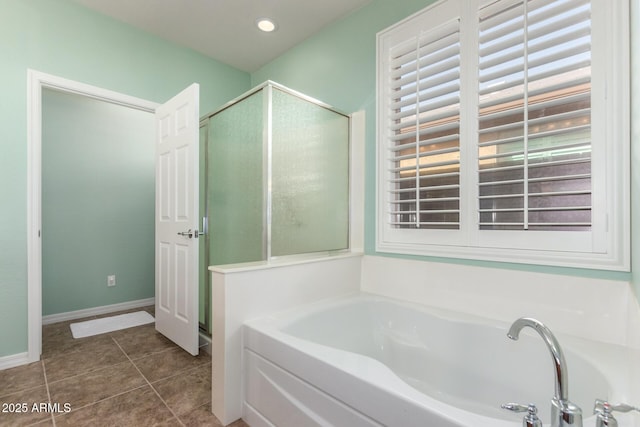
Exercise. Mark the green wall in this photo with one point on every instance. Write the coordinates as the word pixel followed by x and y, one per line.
pixel 338 66
pixel 67 40
pixel 98 186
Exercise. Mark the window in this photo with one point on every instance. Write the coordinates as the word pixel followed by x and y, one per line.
pixel 503 132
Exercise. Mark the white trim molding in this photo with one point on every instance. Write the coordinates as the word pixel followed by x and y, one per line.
pixel 14 360
pixel 357 181
pixel 96 311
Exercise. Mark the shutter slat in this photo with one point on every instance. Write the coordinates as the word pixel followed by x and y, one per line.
pixel 561 177
pixel 560 69
pixel 553 102
pixel 435 175
pixel 498 12
pixel 546 209
pixel 505 127
pixel 440 38
pixel 542 44
pixel 543 194
pixel 424 106
pixel 438 200
pixel 506 44
pixel 428 153
pixel 423 143
pixel 553 55
pixel 451 86
pixel 536 8
pixel 556 132
pixel 427 71
pixel 534 224
pixel 425 166
pixel 544 10
pixel 585 112
pixel 435 128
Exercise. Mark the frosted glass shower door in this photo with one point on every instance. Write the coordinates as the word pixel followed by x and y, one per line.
pixel 310 177
pixel 236 183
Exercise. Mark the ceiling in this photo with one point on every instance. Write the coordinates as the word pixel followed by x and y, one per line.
pixel 225 29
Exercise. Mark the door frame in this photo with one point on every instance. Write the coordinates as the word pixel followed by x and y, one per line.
pixel 36 81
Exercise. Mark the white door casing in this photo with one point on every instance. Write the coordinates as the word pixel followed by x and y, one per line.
pixel 177 217
pixel 36 82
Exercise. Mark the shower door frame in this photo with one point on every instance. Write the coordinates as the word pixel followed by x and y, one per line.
pixel 354 243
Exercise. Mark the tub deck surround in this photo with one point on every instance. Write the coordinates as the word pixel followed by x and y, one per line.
pixel 244 292
pixel 367 360
pixel 600 310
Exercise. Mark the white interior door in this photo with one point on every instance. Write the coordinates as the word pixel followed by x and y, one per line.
pixel 177 212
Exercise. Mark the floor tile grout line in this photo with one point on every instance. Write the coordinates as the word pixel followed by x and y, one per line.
pixel 46 384
pixel 149 384
pixel 21 390
pixel 184 371
pixel 98 370
pixel 107 367
pixel 65 353
pixel 92 371
pixel 166 350
pixel 105 399
pixel 146 355
pixel 114 338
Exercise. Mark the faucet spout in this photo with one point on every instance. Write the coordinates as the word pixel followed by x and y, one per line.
pixel 560 365
pixel 563 412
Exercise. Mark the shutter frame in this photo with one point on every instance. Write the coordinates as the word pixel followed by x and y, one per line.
pixel 606 245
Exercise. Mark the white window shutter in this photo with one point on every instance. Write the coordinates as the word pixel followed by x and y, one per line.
pixel 424 123
pixel 534 142
pixel 503 132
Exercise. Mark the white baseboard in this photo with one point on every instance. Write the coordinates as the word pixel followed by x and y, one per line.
pixel 105 309
pixel 14 360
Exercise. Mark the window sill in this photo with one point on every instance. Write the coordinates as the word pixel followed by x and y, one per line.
pixel 594 261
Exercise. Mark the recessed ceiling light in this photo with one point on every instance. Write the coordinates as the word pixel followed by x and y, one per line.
pixel 266 25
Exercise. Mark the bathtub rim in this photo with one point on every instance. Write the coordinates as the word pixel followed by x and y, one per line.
pixel 272 327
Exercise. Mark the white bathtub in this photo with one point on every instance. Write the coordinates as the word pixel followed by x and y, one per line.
pixel 371 361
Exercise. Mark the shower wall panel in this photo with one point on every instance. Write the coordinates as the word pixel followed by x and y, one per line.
pixel 236 205
pixel 310 179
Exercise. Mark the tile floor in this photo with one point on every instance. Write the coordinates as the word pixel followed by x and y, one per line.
pixel 133 377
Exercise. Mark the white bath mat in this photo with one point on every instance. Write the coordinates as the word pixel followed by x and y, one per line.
pixel 110 324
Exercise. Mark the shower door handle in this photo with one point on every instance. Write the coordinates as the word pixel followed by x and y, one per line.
pixel 205 226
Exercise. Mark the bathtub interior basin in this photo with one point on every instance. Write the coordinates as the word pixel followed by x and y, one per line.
pixel 465 362
pixel 392 360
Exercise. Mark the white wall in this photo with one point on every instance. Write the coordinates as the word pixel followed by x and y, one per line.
pixel 602 310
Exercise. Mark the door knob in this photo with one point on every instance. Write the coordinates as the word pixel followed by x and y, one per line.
pixel 187 233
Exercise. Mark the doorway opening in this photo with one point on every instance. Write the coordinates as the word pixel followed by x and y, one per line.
pixel 37 83
pixel 98 185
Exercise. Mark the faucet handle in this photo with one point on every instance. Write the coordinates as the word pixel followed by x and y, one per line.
pixel 604 409
pixel 602 405
pixel 529 420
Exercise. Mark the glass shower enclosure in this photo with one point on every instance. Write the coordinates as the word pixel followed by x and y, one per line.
pixel 274 181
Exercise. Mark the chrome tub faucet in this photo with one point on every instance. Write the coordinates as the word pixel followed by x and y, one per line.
pixel 563 412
